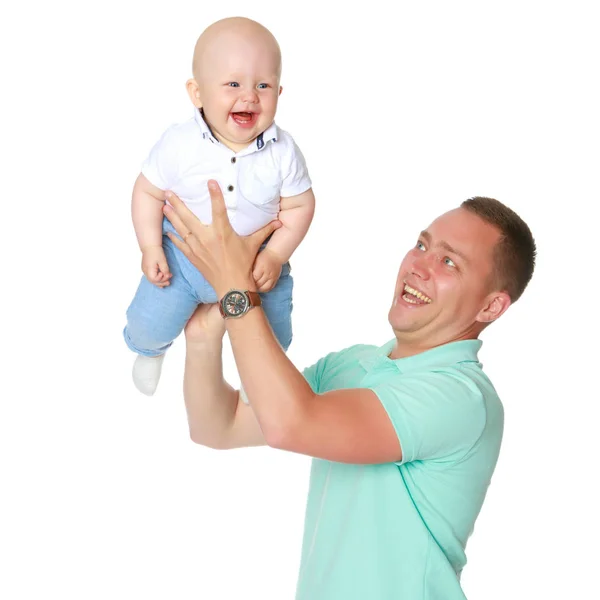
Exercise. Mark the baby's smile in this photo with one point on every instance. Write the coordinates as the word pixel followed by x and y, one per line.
pixel 244 119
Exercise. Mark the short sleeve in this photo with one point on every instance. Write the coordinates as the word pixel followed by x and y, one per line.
pixel 323 376
pixel 296 179
pixel 311 374
pixel 436 416
pixel 161 167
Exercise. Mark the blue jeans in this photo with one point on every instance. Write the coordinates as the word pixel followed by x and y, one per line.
pixel 156 316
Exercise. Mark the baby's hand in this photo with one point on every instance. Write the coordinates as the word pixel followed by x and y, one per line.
pixel 155 266
pixel 267 269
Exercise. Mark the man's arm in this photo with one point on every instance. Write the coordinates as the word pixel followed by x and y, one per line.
pixel 348 426
pixel 345 425
pixel 216 417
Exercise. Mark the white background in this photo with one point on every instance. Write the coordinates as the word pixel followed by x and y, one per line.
pixel 402 110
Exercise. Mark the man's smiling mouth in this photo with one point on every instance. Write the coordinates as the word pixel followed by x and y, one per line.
pixel 413 296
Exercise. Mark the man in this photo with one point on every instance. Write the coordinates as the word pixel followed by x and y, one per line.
pixel 405 437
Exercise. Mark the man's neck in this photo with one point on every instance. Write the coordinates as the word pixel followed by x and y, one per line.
pixel 406 347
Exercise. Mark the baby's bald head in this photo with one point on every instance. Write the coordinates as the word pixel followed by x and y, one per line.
pixel 236 36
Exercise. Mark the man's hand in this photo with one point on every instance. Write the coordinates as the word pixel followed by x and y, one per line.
pixel 155 266
pixel 267 269
pixel 205 327
pixel 225 258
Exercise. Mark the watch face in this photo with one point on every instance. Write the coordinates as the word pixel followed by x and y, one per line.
pixel 235 304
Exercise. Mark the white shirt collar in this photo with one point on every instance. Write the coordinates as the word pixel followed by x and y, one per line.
pixel 268 135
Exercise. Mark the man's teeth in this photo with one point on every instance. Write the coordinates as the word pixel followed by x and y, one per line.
pixel 416 294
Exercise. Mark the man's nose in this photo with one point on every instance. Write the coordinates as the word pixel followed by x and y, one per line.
pixel 421 267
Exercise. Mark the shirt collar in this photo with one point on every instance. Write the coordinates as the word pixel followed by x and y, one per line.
pixel 268 135
pixel 441 356
pixel 204 128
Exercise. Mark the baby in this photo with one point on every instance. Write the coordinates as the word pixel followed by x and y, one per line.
pixel 233 139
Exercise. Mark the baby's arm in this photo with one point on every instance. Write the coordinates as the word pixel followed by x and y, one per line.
pixel 146 210
pixel 296 214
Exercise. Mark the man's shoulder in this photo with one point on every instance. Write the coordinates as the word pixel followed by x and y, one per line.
pixel 352 353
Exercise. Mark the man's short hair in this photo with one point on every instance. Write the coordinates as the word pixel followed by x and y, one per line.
pixel 515 252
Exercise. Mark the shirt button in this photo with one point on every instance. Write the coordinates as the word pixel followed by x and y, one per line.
pixel 230 188
pixel 233 159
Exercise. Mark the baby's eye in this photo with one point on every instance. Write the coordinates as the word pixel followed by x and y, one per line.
pixel 449 262
pixel 421 246
pixel 233 84
pixel 262 86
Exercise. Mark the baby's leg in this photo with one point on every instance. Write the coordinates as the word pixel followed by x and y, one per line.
pixel 155 317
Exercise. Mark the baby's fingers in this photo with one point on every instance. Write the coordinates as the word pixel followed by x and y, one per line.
pixel 267 286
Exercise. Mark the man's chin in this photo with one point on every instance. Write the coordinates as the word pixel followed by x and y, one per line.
pixel 403 325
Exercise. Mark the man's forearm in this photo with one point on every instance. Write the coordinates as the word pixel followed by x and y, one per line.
pixel 210 401
pixel 276 390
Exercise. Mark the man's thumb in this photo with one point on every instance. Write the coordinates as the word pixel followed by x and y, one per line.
pixel 262 234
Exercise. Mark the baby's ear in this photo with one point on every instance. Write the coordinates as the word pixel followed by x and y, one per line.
pixel 193 90
pixel 280 89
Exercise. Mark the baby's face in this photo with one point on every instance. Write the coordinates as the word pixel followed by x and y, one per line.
pixel 238 85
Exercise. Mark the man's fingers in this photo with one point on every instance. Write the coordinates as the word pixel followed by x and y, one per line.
pixel 258 237
pixel 181 217
pixel 219 210
pixel 181 245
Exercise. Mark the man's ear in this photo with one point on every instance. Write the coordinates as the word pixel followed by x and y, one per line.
pixel 193 90
pixel 496 304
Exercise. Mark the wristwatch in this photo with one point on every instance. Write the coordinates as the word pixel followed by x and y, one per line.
pixel 236 303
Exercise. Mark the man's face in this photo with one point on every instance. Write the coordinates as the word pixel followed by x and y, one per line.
pixel 239 88
pixel 444 283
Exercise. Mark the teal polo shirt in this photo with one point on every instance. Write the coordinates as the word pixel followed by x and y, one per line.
pixel 399 530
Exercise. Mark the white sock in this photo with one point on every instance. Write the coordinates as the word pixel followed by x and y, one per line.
pixel 243 395
pixel 146 373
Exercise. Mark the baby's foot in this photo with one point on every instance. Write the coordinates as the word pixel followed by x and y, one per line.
pixel 243 396
pixel 146 373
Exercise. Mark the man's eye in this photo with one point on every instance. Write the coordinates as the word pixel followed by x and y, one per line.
pixel 449 262
pixel 262 86
pixel 421 246
pixel 233 84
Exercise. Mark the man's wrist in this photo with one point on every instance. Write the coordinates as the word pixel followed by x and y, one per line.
pixel 245 285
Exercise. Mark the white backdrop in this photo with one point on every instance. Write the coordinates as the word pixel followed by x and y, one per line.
pixel 402 110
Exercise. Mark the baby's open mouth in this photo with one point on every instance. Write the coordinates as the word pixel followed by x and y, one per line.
pixel 243 118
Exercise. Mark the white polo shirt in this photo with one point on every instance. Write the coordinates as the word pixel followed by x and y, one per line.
pixel 252 181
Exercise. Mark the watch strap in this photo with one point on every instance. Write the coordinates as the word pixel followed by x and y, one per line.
pixel 255 299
